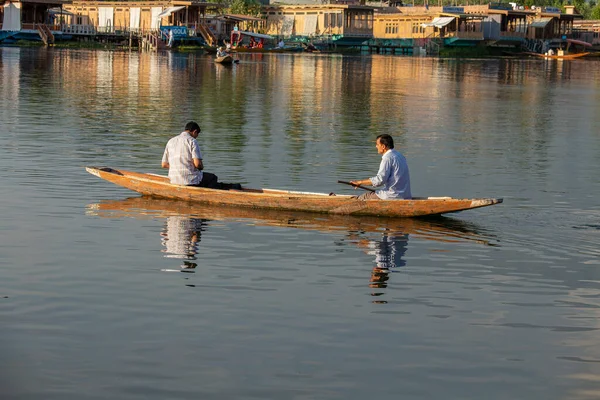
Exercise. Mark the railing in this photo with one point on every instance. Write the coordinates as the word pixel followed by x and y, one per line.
pixel 79 29
pixel 464 35
pixel 151 40
pixel 45 34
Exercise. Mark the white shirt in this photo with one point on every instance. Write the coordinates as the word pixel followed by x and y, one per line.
pixel 393 176
pixel 180 153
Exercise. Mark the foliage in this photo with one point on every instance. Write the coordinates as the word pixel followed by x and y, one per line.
pixel 595 14
pixel 245 7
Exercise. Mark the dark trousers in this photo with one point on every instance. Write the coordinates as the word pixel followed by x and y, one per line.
pixel 208 181
pixel 211 181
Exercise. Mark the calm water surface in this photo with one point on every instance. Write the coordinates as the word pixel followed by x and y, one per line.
pixel 107 295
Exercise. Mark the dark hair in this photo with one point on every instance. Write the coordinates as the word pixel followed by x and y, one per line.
pixel 386 140
pixel 192 126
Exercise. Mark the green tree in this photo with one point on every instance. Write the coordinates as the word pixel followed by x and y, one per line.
pixel 246 7
pixel 583 7
pixel 595 14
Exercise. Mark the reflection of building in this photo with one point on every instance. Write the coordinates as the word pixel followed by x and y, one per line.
pixel 181 236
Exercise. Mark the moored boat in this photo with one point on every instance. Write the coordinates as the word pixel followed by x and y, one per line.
pixel 227 59
pixel 557 56
pixel 159 186
pixel 564 51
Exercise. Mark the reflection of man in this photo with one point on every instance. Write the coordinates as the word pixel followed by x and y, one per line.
pixel 180 238
pixel 389 254
pixel 389 251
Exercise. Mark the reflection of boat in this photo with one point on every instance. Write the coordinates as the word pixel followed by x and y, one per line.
pixel 159 186
pixel 224 59
pixel 438 229
pixel 564 51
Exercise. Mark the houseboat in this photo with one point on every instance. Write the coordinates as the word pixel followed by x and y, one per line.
pixel 32 20
pixel 420 27
pixel 587 30
pixel 337 24
pixel 155 20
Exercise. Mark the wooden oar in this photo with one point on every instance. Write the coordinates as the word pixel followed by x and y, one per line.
pixel 358 186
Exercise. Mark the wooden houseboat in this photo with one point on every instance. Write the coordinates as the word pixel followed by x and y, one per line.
pixel 550 23
pixel 587 30
pixel 337 24
pixel 32 20
pixel 505 26
pixel 154 18
pixel 408 27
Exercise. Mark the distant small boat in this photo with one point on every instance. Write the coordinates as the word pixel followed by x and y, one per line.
pixel 565 53
pixel 558 56
pixel 287 200
pixel 224 59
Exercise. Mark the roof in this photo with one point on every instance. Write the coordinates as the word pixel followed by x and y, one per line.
pixel 465 16
pixel 540 23
pixel 256 35
pixel 579 42
pixel 240 17
pixel 54 2
pixel 59 11
pixel 169 10
pixel 439 22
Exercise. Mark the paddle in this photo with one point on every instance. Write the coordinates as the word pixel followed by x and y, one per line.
pixel 358 186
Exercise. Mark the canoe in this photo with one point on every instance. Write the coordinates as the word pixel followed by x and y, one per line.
pixel 557 57
pixel 159 186
pixel 440 229
pixel 224 59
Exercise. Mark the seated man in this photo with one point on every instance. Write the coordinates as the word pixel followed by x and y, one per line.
pixel 393 173
pixel 183 158
pixel 221 52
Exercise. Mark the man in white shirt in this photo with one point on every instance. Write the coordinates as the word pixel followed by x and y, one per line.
pixel 183 158
pixel 392 176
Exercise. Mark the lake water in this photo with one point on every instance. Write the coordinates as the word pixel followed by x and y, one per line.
pixel 107 295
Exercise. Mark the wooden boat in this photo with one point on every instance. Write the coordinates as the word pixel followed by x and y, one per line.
pixel 565 53
pixel 159 186
pixel 558 57
pixel 224 59
pixel 441 229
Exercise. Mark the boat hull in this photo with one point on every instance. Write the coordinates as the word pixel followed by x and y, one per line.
pixel 159 186
pixel 224 60
pixel 556 57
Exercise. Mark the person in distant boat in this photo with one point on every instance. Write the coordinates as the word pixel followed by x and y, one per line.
pixel 392 176
pixel 227 46
pixel 281 44
pixel 221 52
pixel 183 158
